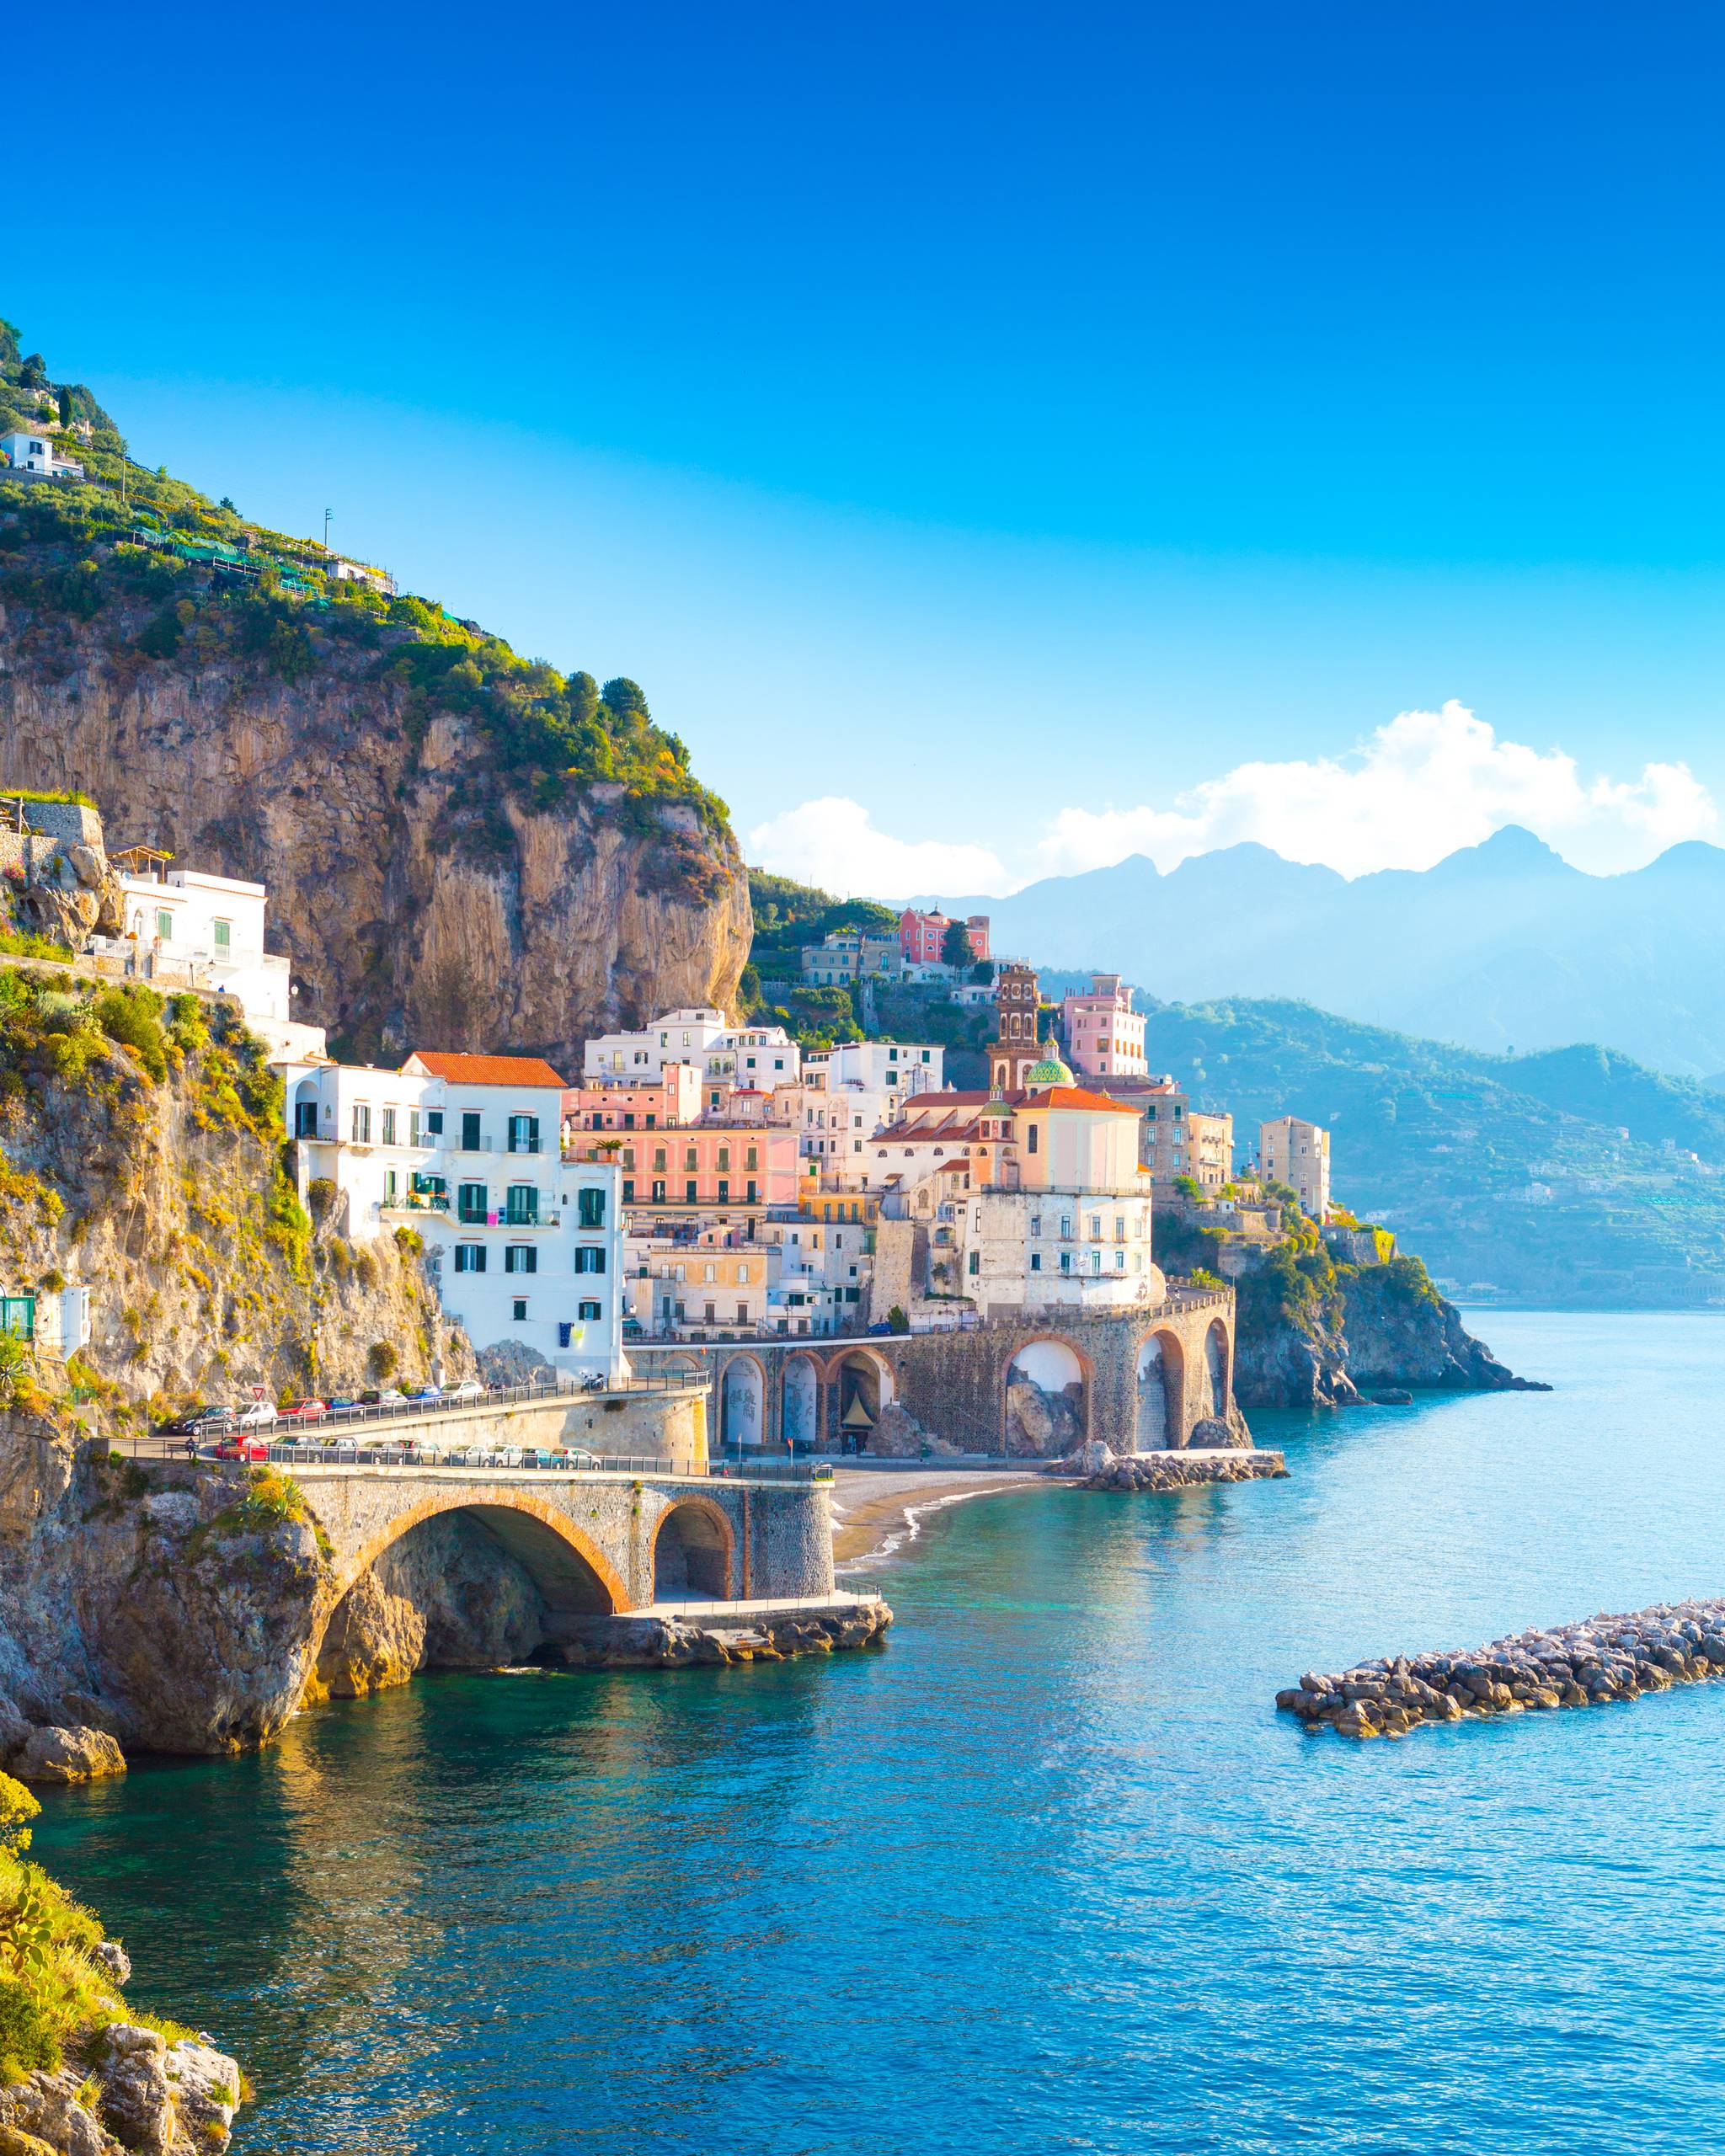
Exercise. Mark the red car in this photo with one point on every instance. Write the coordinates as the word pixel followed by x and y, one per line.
pixel 243 1448
pixel 305 1410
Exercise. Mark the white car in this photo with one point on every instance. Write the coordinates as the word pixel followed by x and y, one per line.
pixel 468 1388
pixel 259 1416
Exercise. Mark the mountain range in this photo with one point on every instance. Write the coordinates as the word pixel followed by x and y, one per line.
pixel 1500 946
pixel 1573 1176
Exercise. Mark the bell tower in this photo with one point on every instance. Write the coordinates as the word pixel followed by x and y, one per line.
pixel 1015 1046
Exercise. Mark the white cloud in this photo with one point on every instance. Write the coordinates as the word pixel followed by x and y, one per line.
pixel 831 843
pixel 1416 789
pixel 1427 782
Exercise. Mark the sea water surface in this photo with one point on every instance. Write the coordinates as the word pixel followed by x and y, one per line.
pixel 1047 1873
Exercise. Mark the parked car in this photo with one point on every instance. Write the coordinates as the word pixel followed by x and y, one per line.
pixel 305 1410
pixel 383 1396
pixel 468 1388
pixel 258 1414
pixel 241 1448
pixel 574 1461
pixel 200 1422
pixel 343 1447
pixel 427 1392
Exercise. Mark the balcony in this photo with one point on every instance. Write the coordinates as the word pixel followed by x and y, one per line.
pixel 416 1201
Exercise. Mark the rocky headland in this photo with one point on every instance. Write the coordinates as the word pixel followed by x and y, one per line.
pixel 1140 1471
pixel 1587 1664
pixel 1313 1334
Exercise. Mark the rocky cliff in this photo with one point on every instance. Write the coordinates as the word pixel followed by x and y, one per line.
pixel 1330 1335
pixel 141 1158
pixel 463 849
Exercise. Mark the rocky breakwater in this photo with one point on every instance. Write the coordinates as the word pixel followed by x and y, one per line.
pixel 1586 1664
pixel 1178 1470
pixel 663 1643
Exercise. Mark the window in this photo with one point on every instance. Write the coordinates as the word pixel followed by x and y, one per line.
pixel 1120 1261
pixel 518 1310
pixel 742 1313
pixel 522 1206
pixel 470 1132
pixel 413 1126
pixel 361 1123
pixel 689 1160
pixel 1035 1134
pixel 659 1159
pixel 590 1208
pixel 658 1193
pixel 471 1203
pixel 224 937
pixel 470 1257
pixel 1036 1261
pixel 724 1191
pixel 1096 1227
pixel 1065 1227
pixel 976 1264
pixel 389 1126
pixel 1065 1260
pixel 1036 1223
pixel 742 1274
pixel 434 1122
pixel 520 1257
pixel 391 1187
pixel 725 1159
pixel 305 1119
pixel 629 1190
pixel 164 927
pixel 689 1192
pixel 524 1133
pixel 588 1311
pixel 590 1257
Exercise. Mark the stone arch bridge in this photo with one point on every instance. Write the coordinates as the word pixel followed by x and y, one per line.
pixel 1030 1386
pixel 598 1543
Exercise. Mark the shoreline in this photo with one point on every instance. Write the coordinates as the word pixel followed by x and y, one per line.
pixel 876 1514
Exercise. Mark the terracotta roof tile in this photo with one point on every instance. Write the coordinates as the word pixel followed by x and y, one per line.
pixel 485 1070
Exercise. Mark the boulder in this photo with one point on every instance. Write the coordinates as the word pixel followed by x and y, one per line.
pixel 1394 1398
pixel 75 1754
pixel 109 1954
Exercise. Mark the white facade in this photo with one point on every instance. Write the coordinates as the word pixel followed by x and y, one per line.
pixel 1008 1251
pixel 679 1037
pixel 765 1057
pixel 821 1280
pixel 522 1244
pixel 39 453
pixel 898 1067
pixel 212 928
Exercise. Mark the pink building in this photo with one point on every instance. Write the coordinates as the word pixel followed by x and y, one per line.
pixel 703 1175
pixel 673 1098
pixel 921 935
pixel 1104 1035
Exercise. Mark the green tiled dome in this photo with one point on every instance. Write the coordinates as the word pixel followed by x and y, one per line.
pixel 1050 1071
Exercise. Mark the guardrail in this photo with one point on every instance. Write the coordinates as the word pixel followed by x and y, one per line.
pixel 487 1460
pixel 365 1413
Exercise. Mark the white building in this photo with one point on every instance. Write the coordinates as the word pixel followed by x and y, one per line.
pixel 184 927
pixel 522 1243
pixel 1298 1154
pixel 725 1055
pixel 901 1068
pixel 38 452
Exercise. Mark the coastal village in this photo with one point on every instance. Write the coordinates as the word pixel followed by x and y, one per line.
pixel 699 1183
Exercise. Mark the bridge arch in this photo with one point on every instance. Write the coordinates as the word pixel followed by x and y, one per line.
pixel 694 1551
pixel 1045 1395
pixel 568 1567
pixel 1217 1373
pixel 1160 1422
pixel 859 1384
pixel 799 1401
pixel 742 1403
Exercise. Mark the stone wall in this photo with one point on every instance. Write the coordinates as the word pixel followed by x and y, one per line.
pixel 1147 1378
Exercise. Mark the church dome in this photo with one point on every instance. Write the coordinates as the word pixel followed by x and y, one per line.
pixel 1050 1071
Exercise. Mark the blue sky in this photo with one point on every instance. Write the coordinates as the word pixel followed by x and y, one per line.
pixel 1003 421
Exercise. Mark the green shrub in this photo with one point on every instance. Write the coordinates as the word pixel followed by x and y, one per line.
pixel 382 1360
pixel 132 1017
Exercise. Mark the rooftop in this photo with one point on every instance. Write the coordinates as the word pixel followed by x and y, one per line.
pixel 484 1070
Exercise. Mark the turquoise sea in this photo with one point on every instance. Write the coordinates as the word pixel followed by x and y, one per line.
pixel 1046 1874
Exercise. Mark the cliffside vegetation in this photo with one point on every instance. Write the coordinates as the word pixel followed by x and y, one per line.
pixel 141 1155
pixel 463 848
pixel 177 577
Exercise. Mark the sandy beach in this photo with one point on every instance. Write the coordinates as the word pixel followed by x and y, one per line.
pixel 875 1512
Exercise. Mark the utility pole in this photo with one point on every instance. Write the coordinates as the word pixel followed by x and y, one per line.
pixel 327 515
